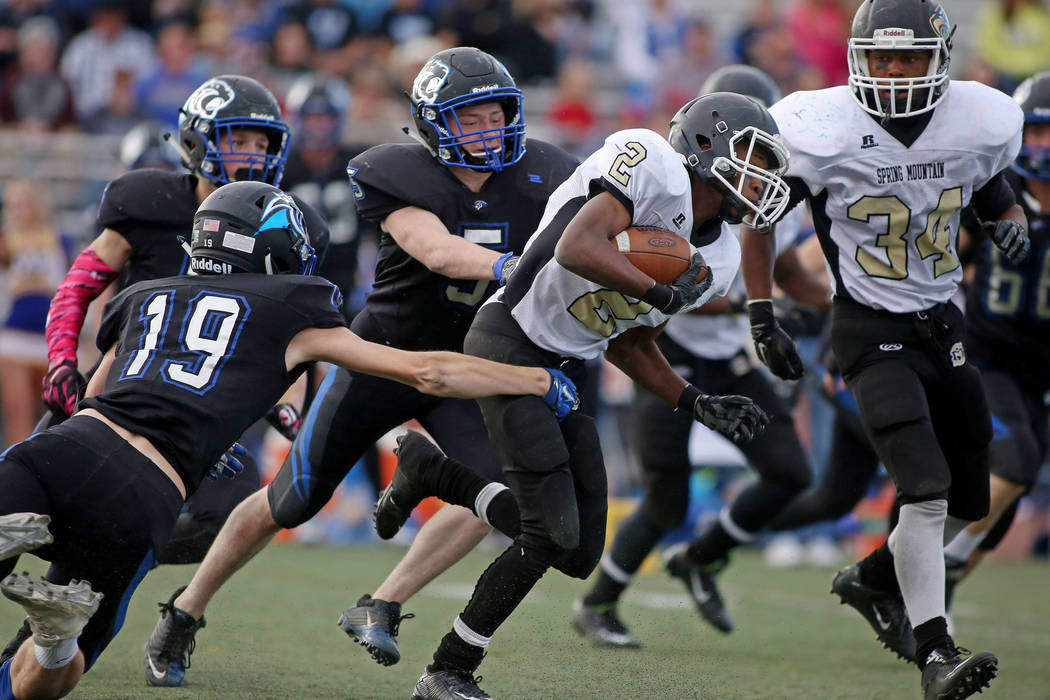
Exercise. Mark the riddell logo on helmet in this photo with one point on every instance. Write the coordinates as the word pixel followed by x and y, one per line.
pixel 893 33
pixel 483 88
pixel 209 265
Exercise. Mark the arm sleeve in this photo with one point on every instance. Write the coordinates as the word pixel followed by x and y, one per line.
pixel 86 279
pixel 995 197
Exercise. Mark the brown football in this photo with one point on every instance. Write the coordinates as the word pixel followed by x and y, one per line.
pixel 656 251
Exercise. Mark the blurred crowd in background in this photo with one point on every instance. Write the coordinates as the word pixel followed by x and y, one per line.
pixel 89 87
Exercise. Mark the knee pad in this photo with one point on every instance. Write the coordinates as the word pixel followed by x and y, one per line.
pixel 666 500
pixel 295 501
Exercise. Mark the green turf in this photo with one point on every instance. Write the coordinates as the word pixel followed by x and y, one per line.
pixel 272 634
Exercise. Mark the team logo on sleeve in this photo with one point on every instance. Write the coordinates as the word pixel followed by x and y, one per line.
pixel 429 81
pixel 209 98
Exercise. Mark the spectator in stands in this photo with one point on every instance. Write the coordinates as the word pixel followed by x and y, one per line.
pixel 121 112
pixel 32 251
pixel 572 116
pixel 161 91
pixel 1013 39
pixel 681 75
pixel 820 28
pixel 95 57
pixel 34 96
pixel 291 53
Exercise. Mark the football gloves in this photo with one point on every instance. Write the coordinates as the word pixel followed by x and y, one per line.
pixel 774 347
pixel 504 266
pixel 561 396
pixel 737 417
pixel 63 386
pixel 1010 237
pixel 228 465
pixel 684 291
pixel 285 419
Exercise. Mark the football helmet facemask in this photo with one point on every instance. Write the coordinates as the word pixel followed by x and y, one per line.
pixel 717 135
pixel 899 25
pixel 316 109
pixel 743 80
pixel 213 112
pixel 250 227
pixel 1033 95
pixel 455 78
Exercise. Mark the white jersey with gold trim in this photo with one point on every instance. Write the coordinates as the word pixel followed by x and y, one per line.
pixel 719 337
pixel 572 316
pixel 888 214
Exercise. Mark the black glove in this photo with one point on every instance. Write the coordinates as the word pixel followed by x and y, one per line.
pixel 775 348
pixel 684 291
pixel 737 417
pixel 285 419
pixel 504 266
pixel 1010 237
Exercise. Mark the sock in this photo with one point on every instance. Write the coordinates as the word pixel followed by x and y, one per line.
pixel 501 510
pixel 6 692
pixel 962 545
pixel 713 544
pixel 918 558
pixel 930 635
pixel 454 652
pixel 635 538
pixel 877 570
pixel 58 655
pixel 454 483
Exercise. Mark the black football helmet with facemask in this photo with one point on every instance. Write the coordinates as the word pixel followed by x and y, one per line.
pixel 250 227
pixel 899 25
pixel 455 78
pixel 213 112
pixel 1033 95
pixel 717 135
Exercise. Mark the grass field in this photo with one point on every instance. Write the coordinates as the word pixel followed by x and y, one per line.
pixel 271 634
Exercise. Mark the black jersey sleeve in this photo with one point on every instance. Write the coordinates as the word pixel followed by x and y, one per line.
pixel 316 227
pixel 995 197
pixel 148 198
pixel 317 301
pixel 393 176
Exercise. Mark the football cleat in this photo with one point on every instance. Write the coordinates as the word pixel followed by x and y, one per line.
pixel 23 532
pixel 374 624
pixel 448 684
pixel 55 612
pixel 602 626
pixel 954 674
pixel 699 580
pixel 397 501
pixel 171 644
pixel 885 612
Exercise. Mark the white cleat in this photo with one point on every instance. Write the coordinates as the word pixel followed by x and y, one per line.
pixel 23 532
pixel 54 612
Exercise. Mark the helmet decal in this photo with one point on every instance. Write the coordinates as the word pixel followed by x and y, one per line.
pixel 281 212
pixel 429 81
pixel 940 24
pixel 209 98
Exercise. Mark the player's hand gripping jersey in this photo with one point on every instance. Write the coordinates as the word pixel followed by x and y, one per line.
pixel 572 316
pixel 189 357
pixel 888 215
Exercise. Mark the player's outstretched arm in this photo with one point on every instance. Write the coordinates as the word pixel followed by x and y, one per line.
pixel 421 234
pixel 438 373
pixel 774 347
pixel 93 270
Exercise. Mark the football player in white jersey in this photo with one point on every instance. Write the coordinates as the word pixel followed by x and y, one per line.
pixel 708 346
pixel 574 296
pixel 886 164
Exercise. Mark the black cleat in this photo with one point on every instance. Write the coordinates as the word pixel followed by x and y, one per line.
pixel 885 612
pixel 954 674
pixel 449 684
pixel 699 580
pixel 373 624
pixel 602 626
pixel 397 501
pixel 171 644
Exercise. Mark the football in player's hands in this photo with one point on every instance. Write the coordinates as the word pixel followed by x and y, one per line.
pixel 657 252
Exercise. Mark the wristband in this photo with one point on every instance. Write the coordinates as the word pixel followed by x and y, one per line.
pixel 659 296
pixel 760 312
pixel 688 397
pixel 497 267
